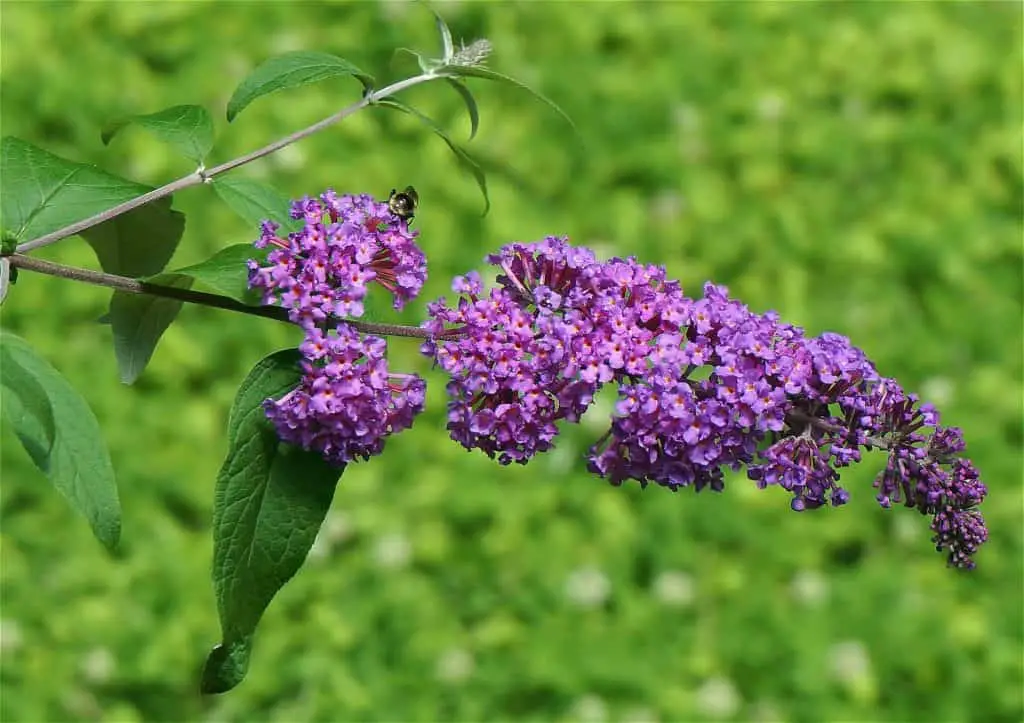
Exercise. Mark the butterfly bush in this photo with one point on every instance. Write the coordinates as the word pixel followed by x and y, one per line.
pixel 347 402
pixel 703 386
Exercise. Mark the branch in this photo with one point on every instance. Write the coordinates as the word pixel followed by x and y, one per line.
pixel 134 286
pixel 201 176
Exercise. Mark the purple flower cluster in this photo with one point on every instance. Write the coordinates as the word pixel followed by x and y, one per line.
pixel 347 402
pixel 323 270
pixel 704 385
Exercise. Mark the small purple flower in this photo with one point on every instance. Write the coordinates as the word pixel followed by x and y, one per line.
pixel 347 403
pixel 323 270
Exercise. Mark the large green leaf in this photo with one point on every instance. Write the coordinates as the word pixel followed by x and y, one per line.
pixel 41 192
pixel 140 242
pixel 291 70
pixel 188 129
pixel 138 321
pixel 255 202
pixel 60 434
pixel 269 504
pixel 226 272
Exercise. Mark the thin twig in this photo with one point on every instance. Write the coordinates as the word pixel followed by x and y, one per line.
pixel 201 176
pixel 134 286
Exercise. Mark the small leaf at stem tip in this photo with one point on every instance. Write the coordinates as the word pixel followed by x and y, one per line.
pixel 488 74
pixel 462 156
pixel 291 70
pixel 470 101
pixel 447 45
pixel 8 243
pixel 188 129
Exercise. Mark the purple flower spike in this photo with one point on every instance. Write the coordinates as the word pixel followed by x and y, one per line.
pixel 524 355
pixel 347 403
pixel 704 386
pixel 323 270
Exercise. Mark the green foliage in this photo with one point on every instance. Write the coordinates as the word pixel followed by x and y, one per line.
pixel 860 174
pixel 255 202
pixel 60 434
pixel 291 71
pixel 188 129
pixel 137 322
pixel 463 156
pixel 226 272
pixel 269 504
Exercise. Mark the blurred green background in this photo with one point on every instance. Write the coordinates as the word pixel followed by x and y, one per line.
pixel 857 167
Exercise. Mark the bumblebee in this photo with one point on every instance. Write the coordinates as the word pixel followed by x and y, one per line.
pixel 404 204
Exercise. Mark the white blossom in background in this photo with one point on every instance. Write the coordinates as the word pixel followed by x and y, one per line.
pixel 98 665
pixel 589 709
pixel 849 661
pixel 674 588
pixel 771 106
pixel 809 587
pixel 337 528
pixel 455 665
pixel 11 637
pixel 392 551
pixel 766 712
pixel 718 698
pixel 639 715
pixel 587 587
pixel 938 390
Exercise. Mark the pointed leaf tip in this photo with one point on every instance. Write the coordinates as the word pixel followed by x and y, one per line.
pixel 226 666
pixel 470 101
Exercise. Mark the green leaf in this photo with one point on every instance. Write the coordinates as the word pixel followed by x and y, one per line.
pixel 270 501
pixel 188 129
pixel 446 35
pixel 470 101
pixel 140 242
pixel 138 321
pixel 41 192
pixel 226 666
pixel 256 202
pixel 226 272
pixel 291 70
pixel 60 434
pixel 475 71
pixel 462 156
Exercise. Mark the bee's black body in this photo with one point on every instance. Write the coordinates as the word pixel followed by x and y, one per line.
pixel 404 204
